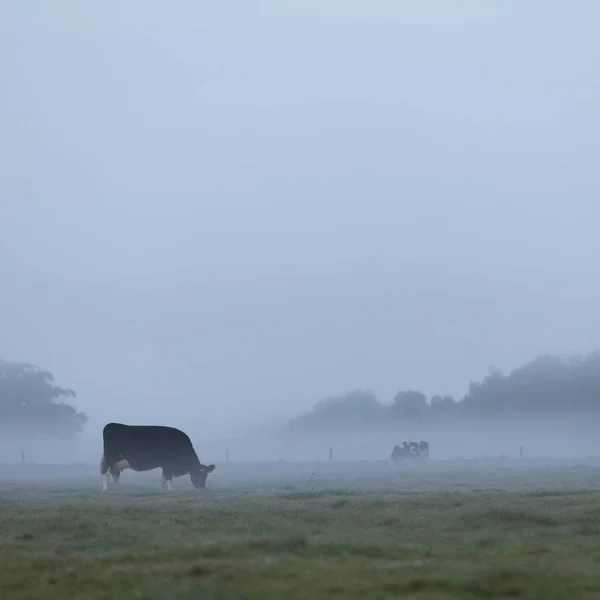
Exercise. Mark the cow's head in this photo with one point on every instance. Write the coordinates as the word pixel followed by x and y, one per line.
pixel 199 474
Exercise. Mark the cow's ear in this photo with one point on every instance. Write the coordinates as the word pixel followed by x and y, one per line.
pixel 210 468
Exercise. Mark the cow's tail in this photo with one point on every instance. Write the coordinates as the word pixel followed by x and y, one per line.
pixel 103 465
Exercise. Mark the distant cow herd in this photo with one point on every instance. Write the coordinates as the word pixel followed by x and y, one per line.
pixel 411 451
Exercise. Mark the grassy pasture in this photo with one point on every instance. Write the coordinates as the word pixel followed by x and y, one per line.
pixel 339 530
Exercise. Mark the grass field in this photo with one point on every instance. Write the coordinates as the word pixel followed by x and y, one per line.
pixel 292 531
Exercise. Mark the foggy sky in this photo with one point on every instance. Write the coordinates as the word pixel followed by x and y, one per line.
pixel 215 214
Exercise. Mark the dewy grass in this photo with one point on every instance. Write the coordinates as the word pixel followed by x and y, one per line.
pixel 392 534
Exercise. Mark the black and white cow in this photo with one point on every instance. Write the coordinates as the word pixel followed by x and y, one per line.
pixel 148 447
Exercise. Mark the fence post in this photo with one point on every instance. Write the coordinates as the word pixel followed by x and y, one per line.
pixel 330 454
pixel 521 452
pixel 227 456
pixel 22 458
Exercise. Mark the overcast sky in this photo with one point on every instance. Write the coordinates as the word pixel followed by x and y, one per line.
pixel 219 213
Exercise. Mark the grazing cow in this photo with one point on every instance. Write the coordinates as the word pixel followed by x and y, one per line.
pixel 148 447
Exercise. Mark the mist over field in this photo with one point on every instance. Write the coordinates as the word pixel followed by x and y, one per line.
pixel 548 438
pixel 209 222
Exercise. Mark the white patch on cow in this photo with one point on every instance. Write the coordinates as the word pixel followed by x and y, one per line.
pixel 115 478
pixel 169 485
pixel 105 478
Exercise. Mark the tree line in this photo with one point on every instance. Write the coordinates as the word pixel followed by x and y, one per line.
pixel 32 402
pixel 547 385
pixel 30 398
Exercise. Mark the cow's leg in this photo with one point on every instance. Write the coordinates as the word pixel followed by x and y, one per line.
pixel 167 477
pixel 104 471
pixel 115 475
pixel 110 466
